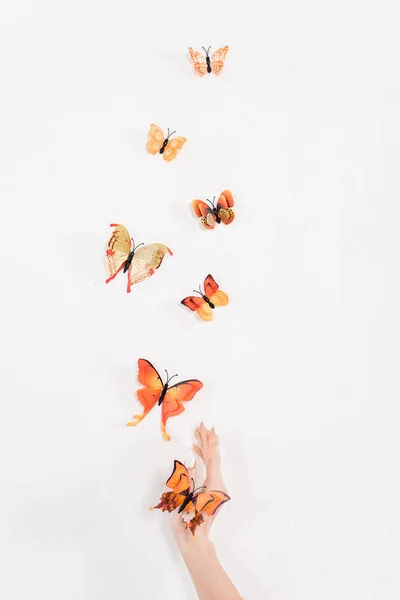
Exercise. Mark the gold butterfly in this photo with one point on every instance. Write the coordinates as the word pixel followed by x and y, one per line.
pixel 158 143
pixel 123 254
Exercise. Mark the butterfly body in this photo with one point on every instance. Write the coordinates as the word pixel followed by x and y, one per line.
pixel 204 63
pixel 187 499
pixel 212 213
pixel 128 261
pixel 156 391
pixel 209 299
pixel 163 393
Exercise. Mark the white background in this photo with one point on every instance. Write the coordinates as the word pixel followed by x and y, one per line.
pixel 300 371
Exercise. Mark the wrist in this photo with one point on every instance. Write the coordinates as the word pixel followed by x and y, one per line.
pixel 197 548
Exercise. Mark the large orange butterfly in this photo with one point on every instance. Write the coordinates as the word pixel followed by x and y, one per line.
pixel 123 254
pixel 170 397
pixel 158 143
pixel 212 213
pixel 209 299
pixel 188 499
pixel 208 64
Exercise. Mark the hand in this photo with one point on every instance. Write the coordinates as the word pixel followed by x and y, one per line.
pixel 207 448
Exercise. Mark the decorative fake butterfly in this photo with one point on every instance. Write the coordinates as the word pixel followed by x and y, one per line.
pixel 208 64
pixel 211 213
pixel 170 397
pixel 208 300
pixel 123 254
pixel 187 499
pixel 158 143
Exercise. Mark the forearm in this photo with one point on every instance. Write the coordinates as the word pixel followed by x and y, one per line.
pixel 209 578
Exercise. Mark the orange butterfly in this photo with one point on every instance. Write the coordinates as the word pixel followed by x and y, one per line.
pixel 211 214
pixel 170 397
pixel 188 499
pixel 123 254
pixel 208 64
pixel 158 143
pixel 208 300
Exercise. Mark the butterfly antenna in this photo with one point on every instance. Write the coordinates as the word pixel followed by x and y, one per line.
pixel 202 487
pixel 209 202
pixel 197 291
pixel 172 376
pixel 138 246
pixel 206 51
pixel 172 133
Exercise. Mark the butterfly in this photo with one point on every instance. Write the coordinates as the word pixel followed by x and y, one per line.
pixel 208 300
pixel 187 499
pixel 208 64
pixel 168 148
pixel 211 214
pixel 123 254
pixel 169 397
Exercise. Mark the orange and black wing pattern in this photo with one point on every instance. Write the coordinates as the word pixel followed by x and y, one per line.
pixel 148 395
pixel 204 304
pixel 224 207
pixel 179 482
pixel 172 405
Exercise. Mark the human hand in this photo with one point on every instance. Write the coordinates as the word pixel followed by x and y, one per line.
pixel 207 448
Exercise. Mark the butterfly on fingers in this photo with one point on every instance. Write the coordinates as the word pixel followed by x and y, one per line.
pixel 208 300
pixel 156 391
pixel 212 214
pixel 204 63
pixel 186 498
pixel 123 255
pixel 166 146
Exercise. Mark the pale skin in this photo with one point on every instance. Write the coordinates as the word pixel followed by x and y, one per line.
pixel 209 578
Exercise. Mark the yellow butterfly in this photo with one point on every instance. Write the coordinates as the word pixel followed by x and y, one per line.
pixel 123 254
pixel 158 143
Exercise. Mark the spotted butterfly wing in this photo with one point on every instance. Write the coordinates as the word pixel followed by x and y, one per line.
pixel 158 143
pixel 211 213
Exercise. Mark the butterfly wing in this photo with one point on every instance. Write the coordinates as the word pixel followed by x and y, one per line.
pixel 174 397
pixel 118 249
pixel 197 304
pixel 145 261
pixel 210 286
pixel 203 210
pixel 148 375
pixel 171 149
pixel 212 291
pixel 210 501
pixel 148 395
pixel 179 481
pixel 199 62
pixel 224 207
pixel 217 59
pixel 156 139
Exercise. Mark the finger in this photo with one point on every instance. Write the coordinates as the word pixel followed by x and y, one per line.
pixel 198 451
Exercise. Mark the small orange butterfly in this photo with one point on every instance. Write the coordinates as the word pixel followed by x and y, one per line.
pixel 208 64
pixel 188 499
pixel 122 253
pixel 211 214
pixel 208 300
pixel 156 391
pixel 159 143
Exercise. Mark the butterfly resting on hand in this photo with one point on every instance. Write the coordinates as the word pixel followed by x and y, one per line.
pixel 212 214
pixel 169 397
pixel 122 254
pixel 164 145
pixel 208 300
pixel 187 499
pixel 208 64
